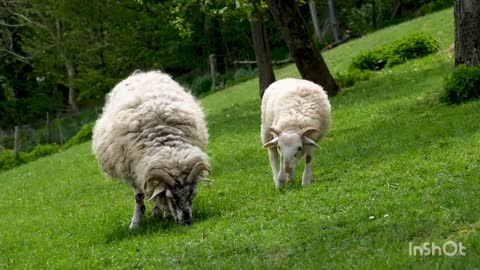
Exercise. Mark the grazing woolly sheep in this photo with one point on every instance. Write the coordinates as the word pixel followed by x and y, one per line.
pixel 153 135
pixel 295 115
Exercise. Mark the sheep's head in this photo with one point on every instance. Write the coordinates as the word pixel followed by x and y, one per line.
pixel 176 195
pixel 291 145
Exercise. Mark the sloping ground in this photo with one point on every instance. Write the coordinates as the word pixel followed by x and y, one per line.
pixel 396 169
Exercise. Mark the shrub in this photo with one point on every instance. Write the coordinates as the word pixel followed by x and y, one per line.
pixel 414 46
pixel 201 85
pixel 83 135
pixel 398 52
pixel 462 85
pixel 39 151
pixel 7 160
pixel 352 77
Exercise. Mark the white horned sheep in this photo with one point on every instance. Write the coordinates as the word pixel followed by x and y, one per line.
pixel 295 116
pixel 152 134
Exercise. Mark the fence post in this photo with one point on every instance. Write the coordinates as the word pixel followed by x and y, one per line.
pixel 49 129
pixel 59 125
pixel 213 72
pixel 16 146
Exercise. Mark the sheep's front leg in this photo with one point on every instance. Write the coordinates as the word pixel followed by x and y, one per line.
pixel 273 154
pixel 307 173
pixel 139 210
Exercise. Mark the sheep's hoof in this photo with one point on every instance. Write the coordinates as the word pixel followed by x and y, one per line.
pixel 134 225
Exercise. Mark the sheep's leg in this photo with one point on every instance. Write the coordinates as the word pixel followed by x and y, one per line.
pixel 273 154
pixel 307 172
pixel 139 210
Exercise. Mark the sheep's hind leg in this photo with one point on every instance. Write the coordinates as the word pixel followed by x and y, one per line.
pixel 273 154
pixel 307 172
pixel 139 210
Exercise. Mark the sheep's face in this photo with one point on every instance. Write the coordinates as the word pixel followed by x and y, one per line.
pixel 291 148
pixel 176 195
pixel 179 200
pixel 291 145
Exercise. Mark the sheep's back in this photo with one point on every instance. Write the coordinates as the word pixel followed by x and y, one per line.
pixel 294 103
pixel 143 112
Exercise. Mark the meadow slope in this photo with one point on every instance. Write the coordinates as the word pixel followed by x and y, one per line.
pixel 397 168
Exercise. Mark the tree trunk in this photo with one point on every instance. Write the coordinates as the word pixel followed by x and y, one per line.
pixel 261 47
pixel 307 57
pixel 333 20
pixel 316 25
pixel 72 101
pixel 467 34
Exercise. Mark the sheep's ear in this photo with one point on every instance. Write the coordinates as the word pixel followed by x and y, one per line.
pixel 159 189
pixel 307 140
pixel 271 143
pixel 307 132
pixel 197 169
pixel 274 130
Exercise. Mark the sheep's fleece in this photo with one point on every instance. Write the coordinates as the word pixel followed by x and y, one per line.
pixel 150 123
pixel 295 104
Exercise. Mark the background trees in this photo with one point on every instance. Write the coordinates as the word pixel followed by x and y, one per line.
pixel 62 56
pixel 467 32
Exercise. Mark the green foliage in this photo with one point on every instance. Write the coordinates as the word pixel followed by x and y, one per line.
pixel 39 151
pixel 351 77
pixel 201 85
pixel 398 52
pixel 462 85
pixel 83 135
pixel 7 160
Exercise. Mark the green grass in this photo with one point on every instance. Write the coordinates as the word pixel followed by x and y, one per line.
pixel 392 153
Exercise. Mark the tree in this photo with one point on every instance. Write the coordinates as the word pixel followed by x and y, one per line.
pixel 307 57
pixel 261 47
pixel 467 34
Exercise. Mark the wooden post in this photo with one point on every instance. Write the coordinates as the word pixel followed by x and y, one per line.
pixel 49 129
pixel 16 146
pixel 316 24
pixel 333 21
pixel 213 72
pixel 59 125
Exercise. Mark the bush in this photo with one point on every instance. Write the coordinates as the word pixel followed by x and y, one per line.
pixel 201 85
pixel 83 135
pixel 39 151
pixel 398 52
pixel 414 46
pixel 462 85
pixel 352 77
pixel 7 160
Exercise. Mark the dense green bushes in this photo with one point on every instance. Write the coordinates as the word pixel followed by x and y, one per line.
pixel 398 52
pixel 462 85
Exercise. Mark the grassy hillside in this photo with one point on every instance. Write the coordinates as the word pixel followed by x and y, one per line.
pixel 396 169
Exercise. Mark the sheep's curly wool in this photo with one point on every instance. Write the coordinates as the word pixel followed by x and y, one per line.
pixel 149 122
pixel 293 104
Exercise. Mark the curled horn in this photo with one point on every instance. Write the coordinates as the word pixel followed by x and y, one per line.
pixel 274 130
pixel 307 131
pixel 197 169
pixel 160 174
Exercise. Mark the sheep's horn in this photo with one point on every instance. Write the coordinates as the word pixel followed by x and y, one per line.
pixel 157 191
pixel 204 179
pixel 197 169
pixel 307 140
pixel 274 130
pixel 159 174
pixel 271 143
pixel 306 131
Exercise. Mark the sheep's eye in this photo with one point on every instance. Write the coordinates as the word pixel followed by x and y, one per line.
pixel 299 149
